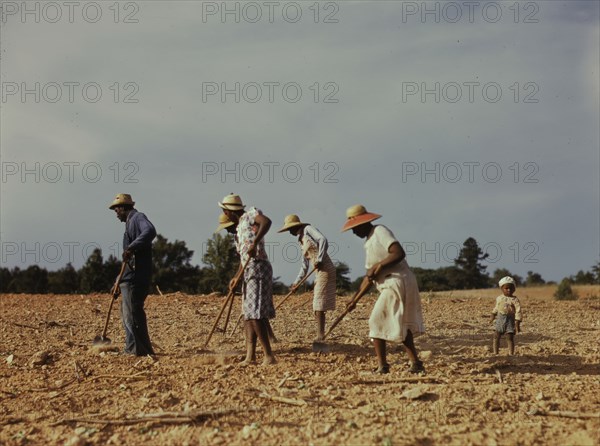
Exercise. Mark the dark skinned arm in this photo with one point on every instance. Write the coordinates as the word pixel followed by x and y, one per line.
pixel 364 285
pixel 264 224
pixel 233 279
pixel 395 255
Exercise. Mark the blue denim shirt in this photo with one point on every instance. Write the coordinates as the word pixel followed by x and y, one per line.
pixel 139 233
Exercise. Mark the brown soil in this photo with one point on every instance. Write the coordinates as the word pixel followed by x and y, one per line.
pixel 549 393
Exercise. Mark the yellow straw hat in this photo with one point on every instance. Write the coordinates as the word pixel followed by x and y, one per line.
pixel 291 221
pixel 121 199
pixel 232 202
pixel 224 222
pixel 357 215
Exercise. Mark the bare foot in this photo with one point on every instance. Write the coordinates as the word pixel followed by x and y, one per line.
pixel 269 360
pixel 248 361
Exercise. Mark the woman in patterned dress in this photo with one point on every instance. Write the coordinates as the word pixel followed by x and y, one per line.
pixel 231 228
pixel 314 250
pixel 396 315
pixel 257 288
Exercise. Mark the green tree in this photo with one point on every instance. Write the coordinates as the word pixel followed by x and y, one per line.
pixel 279 287
pixel 596 272
pixel 355 285
pixel 454 277
pixel 503 272
pixel 469 264
pixel 583 278
pixel 222 263
pixel 564 291
pixel 534 279
pixel 172 268
pixel 63 281
pixel 91 276
pixel 432 279
pixel 342 281
pixel 5 280
pixel 112 267
pixel 31 280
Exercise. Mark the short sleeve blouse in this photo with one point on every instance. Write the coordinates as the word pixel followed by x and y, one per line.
pixel 378 244
pixel 246 234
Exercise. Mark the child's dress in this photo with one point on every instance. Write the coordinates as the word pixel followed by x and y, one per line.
pixel 507 311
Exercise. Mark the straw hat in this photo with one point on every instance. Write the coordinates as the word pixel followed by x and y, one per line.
pixel 121 199
pixel 291 221
pixel 232 202
pixel 224 222
pixel 357 215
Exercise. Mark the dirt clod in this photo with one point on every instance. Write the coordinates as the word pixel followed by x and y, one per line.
pixel 40 358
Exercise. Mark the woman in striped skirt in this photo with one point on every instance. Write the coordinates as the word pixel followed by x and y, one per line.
pixel 314 250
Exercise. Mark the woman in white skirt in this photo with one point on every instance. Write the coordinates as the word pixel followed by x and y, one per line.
pixel 314 250
pixel 396 315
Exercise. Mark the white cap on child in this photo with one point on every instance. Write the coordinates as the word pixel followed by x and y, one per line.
pixel 505 280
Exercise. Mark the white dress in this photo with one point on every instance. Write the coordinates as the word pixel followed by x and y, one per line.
pixel 398 307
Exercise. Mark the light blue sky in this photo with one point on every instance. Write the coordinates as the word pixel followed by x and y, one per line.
pixel 516 165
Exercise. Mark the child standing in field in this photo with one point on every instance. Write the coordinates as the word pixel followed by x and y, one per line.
pixel 507 314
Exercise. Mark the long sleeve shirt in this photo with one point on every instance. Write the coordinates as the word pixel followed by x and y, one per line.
pixel 311 236
pixel 139 233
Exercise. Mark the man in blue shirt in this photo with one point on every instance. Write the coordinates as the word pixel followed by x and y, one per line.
pixel 137 252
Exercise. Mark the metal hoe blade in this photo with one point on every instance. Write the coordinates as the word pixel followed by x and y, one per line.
pixel 101 340
pixel 320 347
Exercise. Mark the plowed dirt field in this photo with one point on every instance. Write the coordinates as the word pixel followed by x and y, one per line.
pixel 548 393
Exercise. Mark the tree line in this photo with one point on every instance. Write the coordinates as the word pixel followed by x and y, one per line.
pixel 173 271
